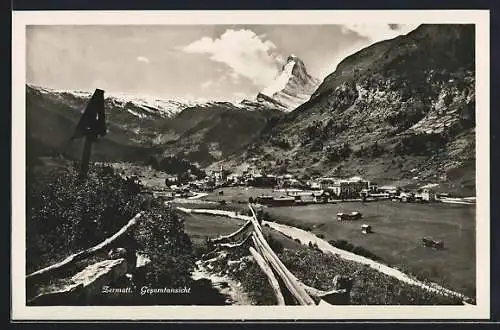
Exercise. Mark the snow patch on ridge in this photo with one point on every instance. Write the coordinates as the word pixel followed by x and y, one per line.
pixel 292 87
pixel 280 82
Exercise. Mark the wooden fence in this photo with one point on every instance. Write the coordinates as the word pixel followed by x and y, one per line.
pixel 282 281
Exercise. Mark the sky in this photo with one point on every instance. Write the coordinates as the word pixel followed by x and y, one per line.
pixel 194 62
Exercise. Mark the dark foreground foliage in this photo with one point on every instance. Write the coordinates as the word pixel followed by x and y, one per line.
pixel 370 287
pixel 161 237
pixel 66 216
pixel 318 269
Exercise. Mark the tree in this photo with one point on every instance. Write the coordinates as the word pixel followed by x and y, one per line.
pixel 153 162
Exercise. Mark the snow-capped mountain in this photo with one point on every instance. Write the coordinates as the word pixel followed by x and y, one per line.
pixel 138 127
pixel 140 106
pixel 292 87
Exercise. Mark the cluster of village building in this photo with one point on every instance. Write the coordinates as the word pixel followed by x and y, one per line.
pixel 321 188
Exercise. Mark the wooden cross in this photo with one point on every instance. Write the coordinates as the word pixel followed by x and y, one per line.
pixel 91 126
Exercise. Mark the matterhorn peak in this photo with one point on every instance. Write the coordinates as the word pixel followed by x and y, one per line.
pixel 293 86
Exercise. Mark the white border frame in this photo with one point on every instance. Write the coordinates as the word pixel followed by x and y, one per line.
pixel 20 311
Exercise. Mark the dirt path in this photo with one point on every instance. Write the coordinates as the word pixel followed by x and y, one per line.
pixel 305 237
pixel 224 284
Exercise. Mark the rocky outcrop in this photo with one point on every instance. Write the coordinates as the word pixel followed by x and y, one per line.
pixel 82 287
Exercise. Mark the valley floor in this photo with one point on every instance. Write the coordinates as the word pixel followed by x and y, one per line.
pixel 397 232
pixel 398 229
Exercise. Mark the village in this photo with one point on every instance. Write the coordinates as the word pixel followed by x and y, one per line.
pixel 290 190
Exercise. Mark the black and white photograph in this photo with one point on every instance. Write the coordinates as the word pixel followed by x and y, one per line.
pixel 251 163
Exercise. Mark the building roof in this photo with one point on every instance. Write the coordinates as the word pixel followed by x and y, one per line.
pixel 328 178
pixel 388 188
pixel 430 185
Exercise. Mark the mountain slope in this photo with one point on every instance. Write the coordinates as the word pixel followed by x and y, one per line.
pixel 52 117
pixel 202 132
pixel 217 131
pixel 402 110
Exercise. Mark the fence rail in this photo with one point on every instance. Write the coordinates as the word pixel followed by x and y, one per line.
pixel 72 259
pixel 282 281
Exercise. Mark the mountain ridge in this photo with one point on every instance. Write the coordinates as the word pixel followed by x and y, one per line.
pixel 197 132
pixel 398 105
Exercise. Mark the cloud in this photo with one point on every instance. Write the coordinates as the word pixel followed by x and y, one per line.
pixel 244 52
pixel 379 32
pixel 142 59
pixel 207 84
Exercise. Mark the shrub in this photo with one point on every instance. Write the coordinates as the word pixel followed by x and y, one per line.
pixel 359 250
pixel 275 244
pixel 342 244
pixel 304 227
pixel 317 145
pixel 283 144
pixel 65 216
pixel 406 118
pixel 160 235
pixel 420 144
pixel 337 153
pixel 256 284
pixel 370 287
pixel 266 217
pixel 318 270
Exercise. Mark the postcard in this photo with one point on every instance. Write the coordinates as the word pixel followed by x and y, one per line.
pixel 250 165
